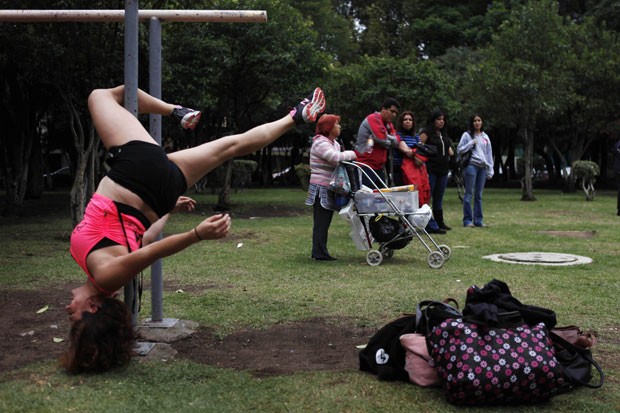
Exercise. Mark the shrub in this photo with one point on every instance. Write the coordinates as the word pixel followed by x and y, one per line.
pixel 303 173
pixel 586 172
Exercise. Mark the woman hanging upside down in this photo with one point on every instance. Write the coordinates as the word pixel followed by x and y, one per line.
pixel 117 237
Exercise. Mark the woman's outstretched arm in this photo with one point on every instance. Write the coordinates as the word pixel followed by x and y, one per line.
pixel 114 272
pixel 184 203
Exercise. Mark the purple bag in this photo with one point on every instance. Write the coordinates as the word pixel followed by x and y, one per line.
pixel 481 365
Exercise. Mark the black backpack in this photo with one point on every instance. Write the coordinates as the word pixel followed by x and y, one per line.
pixel 385 356
pixel 384 229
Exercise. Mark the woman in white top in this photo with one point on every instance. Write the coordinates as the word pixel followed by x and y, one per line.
pixel 477 171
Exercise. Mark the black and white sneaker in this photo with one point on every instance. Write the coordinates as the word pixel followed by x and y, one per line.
pixel 189 118
pixel 310 108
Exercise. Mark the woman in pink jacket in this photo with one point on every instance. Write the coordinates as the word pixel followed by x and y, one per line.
pixel 325 154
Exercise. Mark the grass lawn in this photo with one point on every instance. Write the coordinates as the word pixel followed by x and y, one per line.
pixel 262 275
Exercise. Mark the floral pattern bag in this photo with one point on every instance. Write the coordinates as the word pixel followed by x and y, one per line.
pixel 480 365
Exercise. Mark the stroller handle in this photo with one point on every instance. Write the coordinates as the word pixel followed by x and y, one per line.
pixel 361 166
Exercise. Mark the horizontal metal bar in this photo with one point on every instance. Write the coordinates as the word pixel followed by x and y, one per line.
pixel 222 16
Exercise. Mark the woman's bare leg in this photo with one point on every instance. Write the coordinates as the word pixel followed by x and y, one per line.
pixel 117 126
pixel 198 161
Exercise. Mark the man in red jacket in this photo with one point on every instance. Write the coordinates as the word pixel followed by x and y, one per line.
pixel 375 136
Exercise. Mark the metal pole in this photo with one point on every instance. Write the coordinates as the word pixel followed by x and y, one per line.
pixel 157 281
pixel 131 104
pixel 216 16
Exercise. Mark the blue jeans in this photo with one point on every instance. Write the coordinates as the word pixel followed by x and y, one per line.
pixel 474 178
pixel 438 185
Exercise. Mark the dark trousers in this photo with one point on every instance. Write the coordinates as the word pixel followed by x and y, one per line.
pixel 397 175
pixel 322 221
pixel 373 179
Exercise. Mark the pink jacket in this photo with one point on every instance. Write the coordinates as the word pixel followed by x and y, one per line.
pixel 325 155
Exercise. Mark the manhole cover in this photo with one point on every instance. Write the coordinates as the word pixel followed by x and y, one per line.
pixel 539 258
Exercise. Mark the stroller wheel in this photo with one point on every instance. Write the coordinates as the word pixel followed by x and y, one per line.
pixel 386 252
pixel 374 258
pixel 435 259
pixel 446 251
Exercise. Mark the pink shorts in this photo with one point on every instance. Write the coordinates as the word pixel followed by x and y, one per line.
pixel 101 220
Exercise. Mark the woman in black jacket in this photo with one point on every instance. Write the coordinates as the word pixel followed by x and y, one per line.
pixel 437 167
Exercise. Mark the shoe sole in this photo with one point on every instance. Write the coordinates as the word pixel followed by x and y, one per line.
pixel 190 120
pixel 315 107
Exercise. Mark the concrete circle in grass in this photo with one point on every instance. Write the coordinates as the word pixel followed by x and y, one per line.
pixel 539 258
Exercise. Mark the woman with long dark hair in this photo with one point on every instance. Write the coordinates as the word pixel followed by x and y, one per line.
pixel 437 166
pixel 478 169
pixel 117 237
pixel 412 161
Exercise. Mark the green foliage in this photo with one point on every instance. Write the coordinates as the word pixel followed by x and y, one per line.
pixel 242 171
pixel 240 73
pixel 419 28
pixel 521 74
pixel 586 172
pixel 376 78
pixel 335 32
pixel 585 169
pixel 303 173
pixel 550 65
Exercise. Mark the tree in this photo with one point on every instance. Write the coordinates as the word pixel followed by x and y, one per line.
pixel 594 65
pixel 426 28
pixel 586 172
pixel 359 89
pixel 51 63
pixel 335 32
pixel 521 75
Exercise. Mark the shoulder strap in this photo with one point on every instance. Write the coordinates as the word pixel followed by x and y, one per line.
pixel 424 309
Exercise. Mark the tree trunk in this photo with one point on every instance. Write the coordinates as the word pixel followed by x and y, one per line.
pixel 588 187
pixel 223 198
pixel 16 142
pixel 34 183
pixel 77 194
pixel 83 183
pixel 16 171
pixel 528 158
pixel 561 158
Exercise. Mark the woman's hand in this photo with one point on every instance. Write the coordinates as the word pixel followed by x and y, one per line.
pixel 214 227
pixel 184 203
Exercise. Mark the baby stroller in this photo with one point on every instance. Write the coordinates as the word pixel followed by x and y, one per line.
pixel 391 217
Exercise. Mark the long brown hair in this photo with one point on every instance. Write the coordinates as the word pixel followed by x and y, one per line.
pixel 100 341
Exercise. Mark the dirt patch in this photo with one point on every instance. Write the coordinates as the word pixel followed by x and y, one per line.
pixel 310 345
pixel 573 234
pixel 27 336
pixel 315 344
